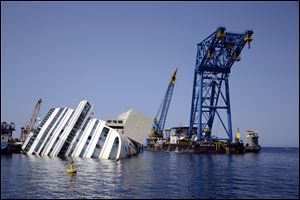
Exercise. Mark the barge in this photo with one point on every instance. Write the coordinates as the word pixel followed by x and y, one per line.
pixel 186 146
pixel 179 143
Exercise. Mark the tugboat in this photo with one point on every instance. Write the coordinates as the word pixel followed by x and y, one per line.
pixel 252 142
pixel 9 145
pixel 6 137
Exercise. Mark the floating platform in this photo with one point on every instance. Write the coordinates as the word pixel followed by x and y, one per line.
pixel 216 147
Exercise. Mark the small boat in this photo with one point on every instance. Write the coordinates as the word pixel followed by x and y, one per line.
pixel 252 143
pixel 6 137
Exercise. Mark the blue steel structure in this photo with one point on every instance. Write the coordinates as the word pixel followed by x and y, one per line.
pixel 159 123
pixel 215 57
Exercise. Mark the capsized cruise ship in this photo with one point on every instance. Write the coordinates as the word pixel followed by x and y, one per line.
pixel 75 133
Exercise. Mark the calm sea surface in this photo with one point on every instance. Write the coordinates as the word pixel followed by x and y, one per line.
pixel 272 173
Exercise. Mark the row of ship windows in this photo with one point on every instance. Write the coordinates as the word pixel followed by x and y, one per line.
pixel 71 135
pixel 36 132
pixel 115 121
pixel 48 129
pixel 54 129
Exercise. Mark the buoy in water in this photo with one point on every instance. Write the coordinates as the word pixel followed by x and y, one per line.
pixel 71 169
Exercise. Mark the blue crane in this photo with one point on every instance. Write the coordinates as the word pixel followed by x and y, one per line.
pixel 160 118
pixel 215 57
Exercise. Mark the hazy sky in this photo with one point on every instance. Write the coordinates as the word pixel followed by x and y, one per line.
pixel 120 55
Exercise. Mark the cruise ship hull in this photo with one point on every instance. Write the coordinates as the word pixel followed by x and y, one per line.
pixel 65 132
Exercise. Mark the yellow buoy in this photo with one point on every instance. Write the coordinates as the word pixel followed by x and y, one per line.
pixel 71 169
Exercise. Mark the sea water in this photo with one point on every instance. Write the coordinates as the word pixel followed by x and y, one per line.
pixel 272 173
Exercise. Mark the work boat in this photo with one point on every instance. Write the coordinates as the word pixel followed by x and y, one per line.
pixel 65 132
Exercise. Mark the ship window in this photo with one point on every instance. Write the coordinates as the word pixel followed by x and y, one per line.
pixel 114 149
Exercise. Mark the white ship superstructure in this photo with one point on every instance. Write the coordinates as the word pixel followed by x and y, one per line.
pixel 133 125
pixel 75 133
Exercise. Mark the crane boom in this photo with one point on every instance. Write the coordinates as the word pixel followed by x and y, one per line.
pixel 159 123
pixel 33 119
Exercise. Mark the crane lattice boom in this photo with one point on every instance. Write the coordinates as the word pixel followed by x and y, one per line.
pixel 160 119
pixel 33 119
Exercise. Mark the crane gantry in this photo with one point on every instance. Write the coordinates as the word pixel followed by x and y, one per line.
pixel 215 57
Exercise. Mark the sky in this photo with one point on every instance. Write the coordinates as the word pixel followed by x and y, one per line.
pixel 120 55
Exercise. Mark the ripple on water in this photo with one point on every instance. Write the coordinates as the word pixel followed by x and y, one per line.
pixel 273 173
